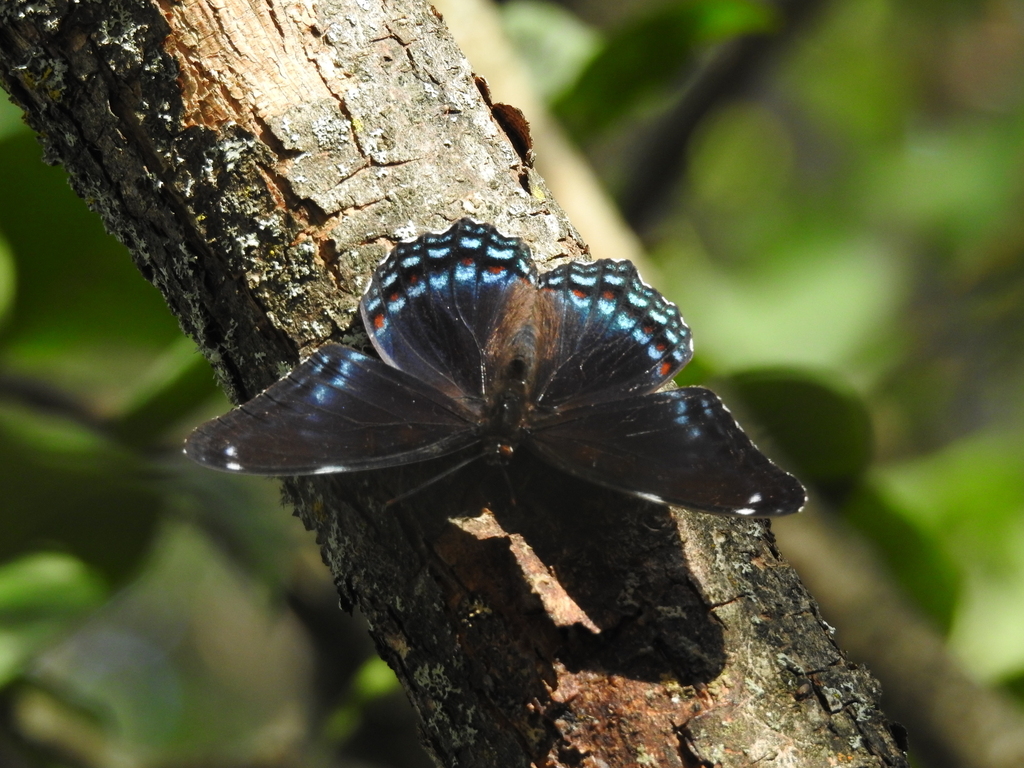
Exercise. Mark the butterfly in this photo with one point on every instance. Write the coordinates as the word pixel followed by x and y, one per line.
pixel 481 353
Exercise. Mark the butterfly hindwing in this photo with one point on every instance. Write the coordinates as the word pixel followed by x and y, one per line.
pixel 338 411
pixel 434 304
pixel 617 336
pixel 681 447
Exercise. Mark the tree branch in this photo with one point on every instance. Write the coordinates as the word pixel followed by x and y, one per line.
pixel 956 722
pixel 259 158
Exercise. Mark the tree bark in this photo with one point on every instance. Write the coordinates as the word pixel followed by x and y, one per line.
pixel 259 159
pixel 957 722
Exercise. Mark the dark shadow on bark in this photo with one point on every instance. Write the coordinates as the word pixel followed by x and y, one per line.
pixel 615 559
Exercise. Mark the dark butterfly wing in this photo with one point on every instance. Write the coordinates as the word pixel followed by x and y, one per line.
pixel 338 411
pixel 681 447
pixel 616 336
pixel 434 303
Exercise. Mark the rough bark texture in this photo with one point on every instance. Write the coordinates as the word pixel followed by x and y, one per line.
pixel 259 159
pixel 956 721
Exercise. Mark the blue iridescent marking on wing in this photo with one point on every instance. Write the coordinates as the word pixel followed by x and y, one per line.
pixel 338 411
pixel 617 336
pixel 443 297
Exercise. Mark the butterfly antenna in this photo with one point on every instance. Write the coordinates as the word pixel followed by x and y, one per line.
pixel 434 479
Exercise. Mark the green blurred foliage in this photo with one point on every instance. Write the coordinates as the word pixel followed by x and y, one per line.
pixel 823 431
pixel 848 247
pixel 65 486
pixel 178 379
pixel 559 45
pixel 371 681
pixel 640 60
pixel 168 667
pixel 40 595
pixel 68 269
pixel 917 557
pixel 968 497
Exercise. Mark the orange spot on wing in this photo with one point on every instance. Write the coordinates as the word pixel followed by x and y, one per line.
pixel 378 321
pixel 495 270
pixel 393 296
pixel 666 368
pixel 578 293
pixel 413 279
pixel 608 295
pixel 467 262
pixel 660 346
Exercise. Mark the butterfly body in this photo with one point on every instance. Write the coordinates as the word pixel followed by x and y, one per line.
pixel 480 352
pixel 508 414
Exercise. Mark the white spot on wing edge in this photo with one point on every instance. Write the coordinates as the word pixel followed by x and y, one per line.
pixel 649 497
pixel 330 469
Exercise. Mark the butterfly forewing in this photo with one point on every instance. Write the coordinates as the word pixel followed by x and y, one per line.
pixel 338 411
pixel 681 447
pixel 616 335
pixel 434 304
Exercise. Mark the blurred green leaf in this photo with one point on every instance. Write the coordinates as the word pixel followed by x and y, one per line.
pixel 1014 685
pixel 174 385
pixel 371 681
pixel 7 279
pixel 960 182
pixel 741 157
pixel 40 595
pixel 342 723
pixel 241 514
pixel 82 314
pixel 48 583
pixel 852 78
pixel 11 121
pixel 66 486
pixel 696 372
pixel 971 493
pixel 915 557
pixel 813 298
pixel 824 431
pixel 969 497
pixel 551 41
pixel 193 661
pixel 649 54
